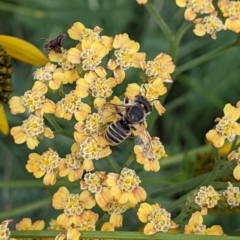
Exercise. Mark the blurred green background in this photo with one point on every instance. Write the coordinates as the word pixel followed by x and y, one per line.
pixel 196 98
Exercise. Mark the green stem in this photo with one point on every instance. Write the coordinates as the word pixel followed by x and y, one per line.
pixel 179 187
pixel 116 235
pixel 102 220
pixel 160 22
pixel 52 121
pixel 113 164
pixel 64 133
pixel 175 44
pixel 129 160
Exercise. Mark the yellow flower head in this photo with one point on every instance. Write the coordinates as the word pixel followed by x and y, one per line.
pixel 126 53
pixel 209 24
pixel 160 67
pixel 94 148
pixel 4 230
pixel 124 187
pixel 71 166
pixel 227 127
pixel 231 10
pixel 26 225
pixel 73 205
pixel 158 152
pixel 79 32
pixel 157 218
pixel 195 226
pixel 96 83
pixel 69 69
pixel 50 75
pixel 93 182
pixel 88 222
pixel 71 105
pixel 31 129
pixel 232 195
pixel 33 100
pixel 89 53
pixel 46 164
pixel 195 7
pixel 207 197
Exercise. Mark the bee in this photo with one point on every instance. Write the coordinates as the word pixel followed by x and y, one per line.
pixel 132 122
pixel 55 44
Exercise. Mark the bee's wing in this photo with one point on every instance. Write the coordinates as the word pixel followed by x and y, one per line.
pixel 143 138
pixel 112 112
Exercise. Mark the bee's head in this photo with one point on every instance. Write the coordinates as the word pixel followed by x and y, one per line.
pixel 146 105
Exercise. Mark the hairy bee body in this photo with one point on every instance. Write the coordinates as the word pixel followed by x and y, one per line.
pixel 134 113
pixel 117 132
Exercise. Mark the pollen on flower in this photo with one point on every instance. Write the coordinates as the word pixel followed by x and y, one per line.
pixel 50 75
pixel 227 127
pixel 194 7
pixel 207 197
pixel 157 218
pixel 33 100
pixel 90 59
pixel 128 180
pixel 30 130
pixel 93 181
pixel 90 149
pixel 72 104
pixel 232 195
pixel 209 24
pixel 89 221
pixel 47 164
pixel 61 59
pixel 71 166
pixel 79 32
pixel 126 53
pixel 125 188
pixel 73 205
pixel 231 10
pixel 33 126
pixel 161 219
pixel 94 123
pixel 160 67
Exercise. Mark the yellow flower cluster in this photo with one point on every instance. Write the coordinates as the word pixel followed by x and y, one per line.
pixel 207 197
pixel 208 22
pixel 84 80
pixel 227 127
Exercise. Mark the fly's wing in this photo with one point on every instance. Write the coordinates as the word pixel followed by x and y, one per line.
pixel 143 138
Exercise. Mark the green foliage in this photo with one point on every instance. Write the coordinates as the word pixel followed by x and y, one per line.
pixel 196 98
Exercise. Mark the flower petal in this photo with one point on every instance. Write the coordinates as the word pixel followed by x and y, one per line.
pixel 22 50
